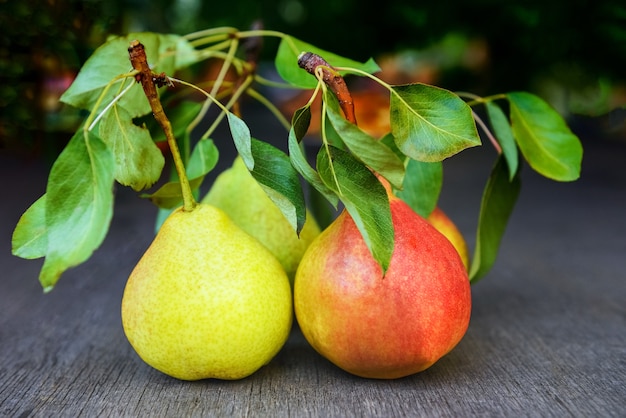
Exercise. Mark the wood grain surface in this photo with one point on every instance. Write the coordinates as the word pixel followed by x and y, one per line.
pixel 547 335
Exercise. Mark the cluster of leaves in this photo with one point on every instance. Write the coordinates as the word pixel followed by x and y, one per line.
pixel 428 124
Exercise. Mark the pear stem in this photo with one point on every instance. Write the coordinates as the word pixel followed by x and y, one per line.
pixel 189 203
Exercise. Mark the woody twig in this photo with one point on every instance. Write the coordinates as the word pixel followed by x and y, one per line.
pixel 312 63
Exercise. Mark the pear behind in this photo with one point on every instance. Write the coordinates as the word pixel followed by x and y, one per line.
pixel 206 300
pixel 238 194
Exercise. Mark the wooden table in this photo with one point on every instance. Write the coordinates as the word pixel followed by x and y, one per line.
pixel 547 335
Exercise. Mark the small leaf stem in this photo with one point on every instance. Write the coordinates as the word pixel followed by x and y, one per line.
pixel 270 106
pixel 236 95
pixel 224 108
pixel 90 125
pixel 475 100
pixel 263 33
pixel 216 86
pixel 211 32
pixel 92 118
pixel 271 83
pixel 487 132
pixel 201 90
pixel 210 40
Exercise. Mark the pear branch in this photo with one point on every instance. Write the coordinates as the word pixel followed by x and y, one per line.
pixel 312 63
pixel 149 81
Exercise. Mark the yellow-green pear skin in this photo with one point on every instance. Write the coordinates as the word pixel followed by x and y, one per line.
pixel 206 300
pixel 238 194
pixel 444 224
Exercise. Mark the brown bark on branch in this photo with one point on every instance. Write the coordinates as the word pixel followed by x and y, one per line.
pixel 149 81
pixel 310 62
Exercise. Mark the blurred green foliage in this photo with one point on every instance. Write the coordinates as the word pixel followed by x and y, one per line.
pixel 581 43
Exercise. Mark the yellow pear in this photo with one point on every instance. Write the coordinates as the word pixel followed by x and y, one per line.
pixel 206 300
pixel 238 194
pixel 444 224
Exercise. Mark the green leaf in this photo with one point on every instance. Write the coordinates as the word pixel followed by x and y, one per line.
pixel 429 123
pixel 242 139
pixel 422 186
pixel 545 140
pixel 331 135
pixel 390 142
pixel 504 135
pixel 78 204
pixel 166 53
pixel 301 121
pixel 497 204
pixel 286 62
pixel 203 159
pixel 280 181
pixel 185 56
pixel 298 159
pixel 365 199
pixel 364 147
pixel 169 195
pixel 138 161
pixel 30 238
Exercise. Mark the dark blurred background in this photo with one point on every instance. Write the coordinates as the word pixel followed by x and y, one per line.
pixel 572 53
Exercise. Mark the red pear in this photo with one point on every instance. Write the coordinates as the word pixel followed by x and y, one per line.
pixel 379 325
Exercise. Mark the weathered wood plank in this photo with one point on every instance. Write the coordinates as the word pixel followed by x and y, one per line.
pixel 547 337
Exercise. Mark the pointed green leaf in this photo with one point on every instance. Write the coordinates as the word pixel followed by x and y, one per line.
pixel 298 159
pixel 29 237
pixel 422 186
pixel 165 53
pixel 203 159
pixel 331 135
pixel 78 205
pixel 138 161
pixel 290 49
pixel 429 123
pixel 242 139
pixel 497 204
pixel 169 195
pixel 364 147
pixel 504 135
pixel 301 121
pixel 365 199
pixel 545 140
pixel 280 181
